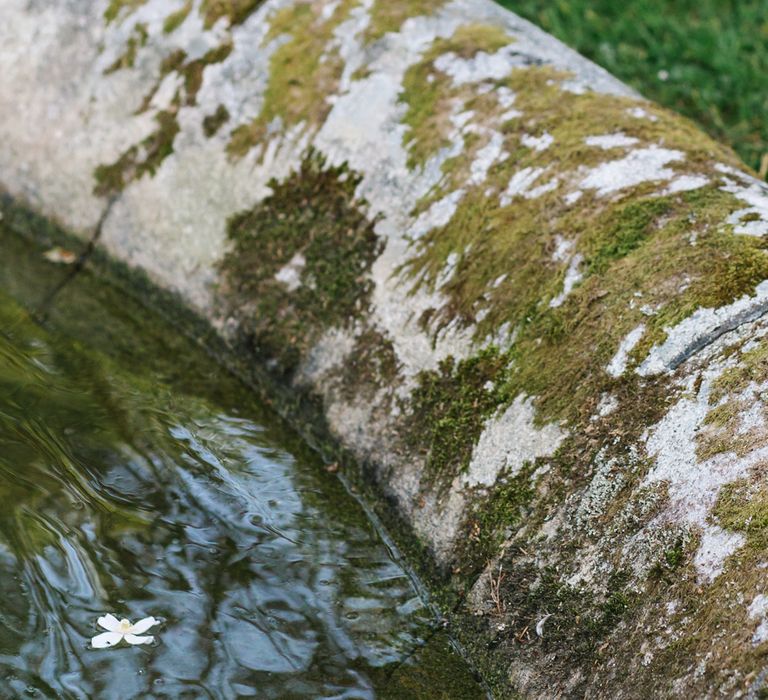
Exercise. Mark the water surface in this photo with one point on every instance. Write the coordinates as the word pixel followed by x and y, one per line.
pixel 139 479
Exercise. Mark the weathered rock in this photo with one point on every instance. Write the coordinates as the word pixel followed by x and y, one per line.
pixel 531 302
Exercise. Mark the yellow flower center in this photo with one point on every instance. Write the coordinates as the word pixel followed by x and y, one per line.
pixel 125 625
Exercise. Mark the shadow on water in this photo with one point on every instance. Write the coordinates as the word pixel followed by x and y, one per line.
pixel 135 478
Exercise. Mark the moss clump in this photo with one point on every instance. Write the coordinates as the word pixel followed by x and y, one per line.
pixel 626 229
pixel 428 93
pixel 115 6
pixel 139 160
pixel 313 223
pixel 449 408
pixel 387 16
pixel 742 506
pixel 176 19
pixel 213 122
pixel 303 72
pixel 127 60
pixel 236 11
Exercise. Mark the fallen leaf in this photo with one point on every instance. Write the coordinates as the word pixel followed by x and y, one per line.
pixel 60 256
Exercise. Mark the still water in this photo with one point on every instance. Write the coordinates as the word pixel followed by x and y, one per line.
pixel 138 479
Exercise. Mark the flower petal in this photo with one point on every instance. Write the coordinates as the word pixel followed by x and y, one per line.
pixel 133 639
pixel 143 625
pixel 106 639
pixel 109 622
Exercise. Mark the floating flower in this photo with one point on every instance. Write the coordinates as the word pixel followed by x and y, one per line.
pixel 122 629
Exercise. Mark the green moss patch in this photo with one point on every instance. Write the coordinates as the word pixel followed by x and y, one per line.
pixel 235 11
pixel 213 122
pixel 313 221
pixel 450 406
pixel 645 258
pixel 303 72
pixel 428 94
pixel 387 16
pixel 137 39
pixel 742 506
pixel 115 7
pixel 490 520
pixel 144 158
pixel 176 19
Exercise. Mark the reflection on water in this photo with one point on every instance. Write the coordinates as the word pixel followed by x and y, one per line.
pixel 136 479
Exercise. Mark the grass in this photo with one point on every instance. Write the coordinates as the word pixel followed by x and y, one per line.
pixel 707 59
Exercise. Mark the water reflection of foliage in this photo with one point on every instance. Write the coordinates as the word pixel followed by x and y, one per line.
pixel 121 493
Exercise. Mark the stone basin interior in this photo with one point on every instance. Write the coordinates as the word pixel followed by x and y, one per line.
pixel 140 478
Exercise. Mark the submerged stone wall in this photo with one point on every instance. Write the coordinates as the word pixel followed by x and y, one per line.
pixel 529 301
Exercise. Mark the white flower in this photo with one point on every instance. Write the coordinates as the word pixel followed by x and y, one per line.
pixel 122 629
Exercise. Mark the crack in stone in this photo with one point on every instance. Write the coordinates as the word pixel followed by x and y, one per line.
pixel 704 341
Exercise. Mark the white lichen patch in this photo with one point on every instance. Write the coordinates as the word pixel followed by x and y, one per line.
pixel 445 275
pixel 563 249
pixel 488 155
pixel 641 165
pixel 505 97
pixel 573 197
pixel 618 364
pixel 608 404
pixel 609 477
pixel 693 485
pixel 686 183
pixel 537 143
pixel 573 275
pixel 542 189
pixel 715 547
pixel 608 141
pixel 480 67
pixel 508 441
pixel 752 220
pixel 701 328
pixel 640 113
pixel 758 610
pixel 290 273
pixel 438 214
pixel 520 184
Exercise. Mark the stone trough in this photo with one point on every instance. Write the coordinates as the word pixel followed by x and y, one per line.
pixel 527 306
